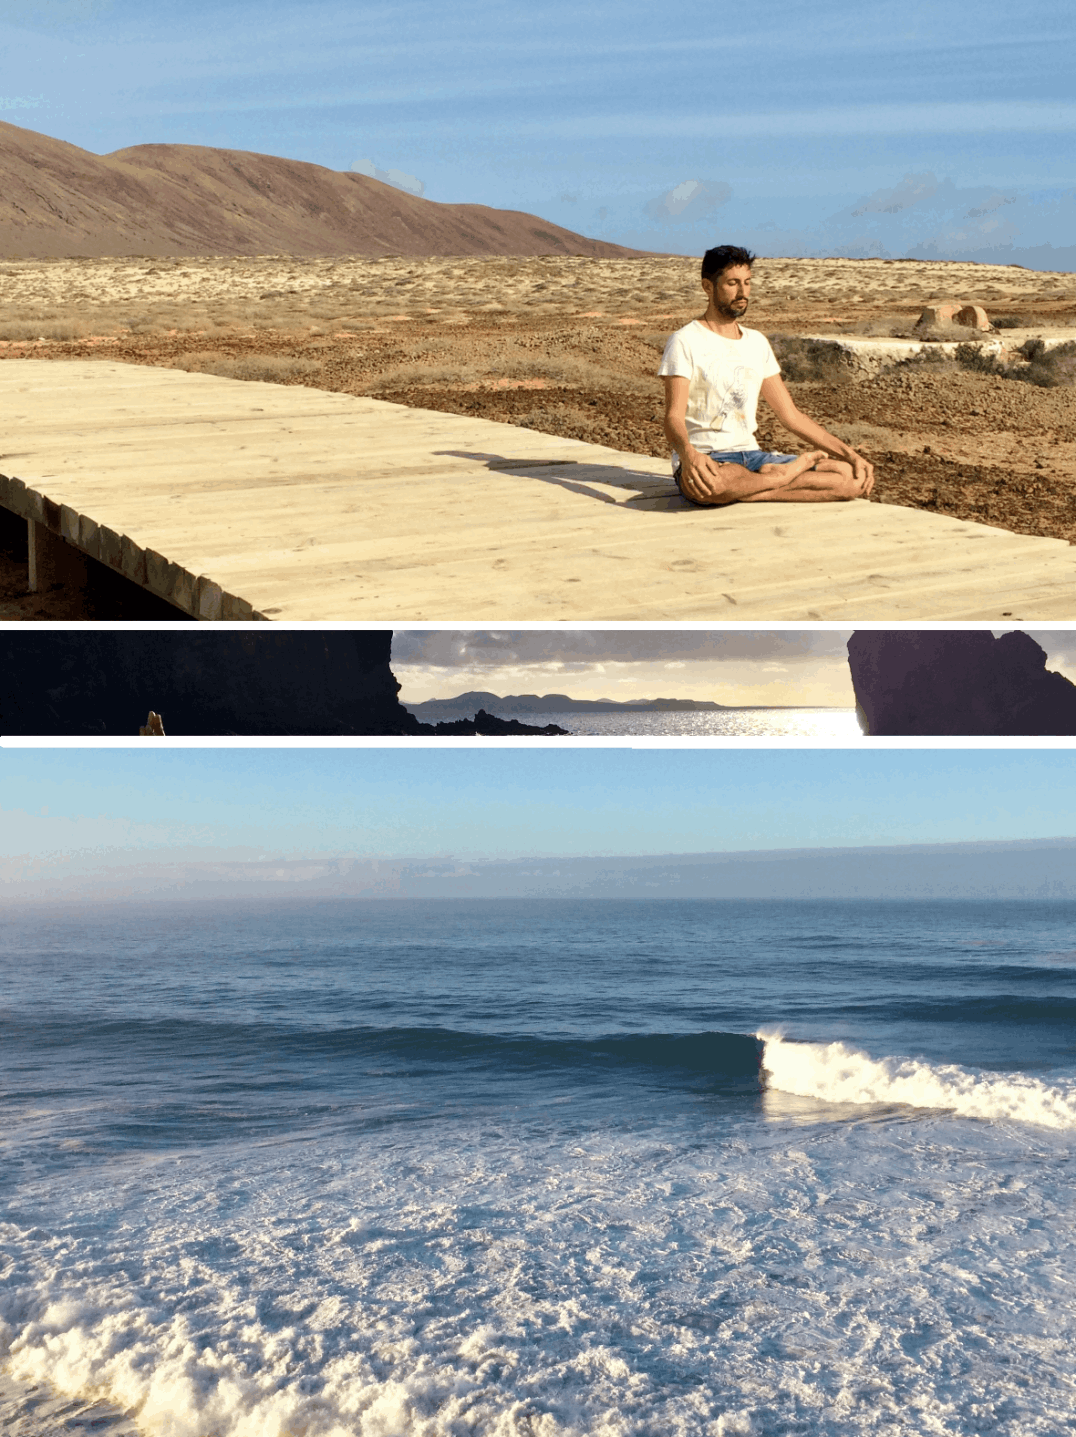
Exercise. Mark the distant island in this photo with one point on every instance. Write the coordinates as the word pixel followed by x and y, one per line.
pixel 474 699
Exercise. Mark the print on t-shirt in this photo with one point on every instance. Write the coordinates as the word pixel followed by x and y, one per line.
pixel 734 400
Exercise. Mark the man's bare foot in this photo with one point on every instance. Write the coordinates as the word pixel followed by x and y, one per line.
pixel 834 479
pixel 826 480
pixel 798 466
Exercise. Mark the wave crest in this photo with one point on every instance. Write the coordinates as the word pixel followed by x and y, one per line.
pixel 836 1073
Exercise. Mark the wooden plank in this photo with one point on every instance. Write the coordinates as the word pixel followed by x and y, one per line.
pixel 233 499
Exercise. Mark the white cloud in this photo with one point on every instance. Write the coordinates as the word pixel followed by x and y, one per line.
pixel 399 179
pixel 688 201
pixel 924 217
pixel 911 190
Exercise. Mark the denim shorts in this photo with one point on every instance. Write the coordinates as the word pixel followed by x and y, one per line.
pixel 752 459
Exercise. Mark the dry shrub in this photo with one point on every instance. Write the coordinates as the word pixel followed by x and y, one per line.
pixel 15 329
pixel 1049 368
pixel 942 333
pixel 932 360
pixel 186 323
pixel 979 360
pixel 277 321
pixel 568 422
pixel 567 369
pixel 563 372
pixel 148 324
pixel 501 361
pixel 274 369
pixel 405 376
pixel 1046 368
pixel 887 327
pixel 804 360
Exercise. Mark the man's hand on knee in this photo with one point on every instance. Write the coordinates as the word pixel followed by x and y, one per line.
pixel 863 473
pixel 856 480
pixel 701 479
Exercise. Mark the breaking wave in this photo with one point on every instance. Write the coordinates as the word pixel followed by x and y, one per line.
pixel 836 1073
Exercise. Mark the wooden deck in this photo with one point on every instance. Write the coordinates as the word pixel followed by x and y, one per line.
pixel 238 500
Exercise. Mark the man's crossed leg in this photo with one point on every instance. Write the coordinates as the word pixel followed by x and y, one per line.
pixel 753 476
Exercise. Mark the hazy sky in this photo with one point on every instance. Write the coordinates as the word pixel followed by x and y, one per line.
pixel 808 666
pixel 918 122
pixel 78 810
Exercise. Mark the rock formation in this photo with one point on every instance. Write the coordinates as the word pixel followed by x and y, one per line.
pixel 489 724
pixel 216 682
pixel 968 316
pixel 961 683
pixel 972 316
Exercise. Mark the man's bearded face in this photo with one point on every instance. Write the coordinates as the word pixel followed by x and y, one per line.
pixel 732 291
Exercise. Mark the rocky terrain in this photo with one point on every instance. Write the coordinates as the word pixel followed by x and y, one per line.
pixel 570 346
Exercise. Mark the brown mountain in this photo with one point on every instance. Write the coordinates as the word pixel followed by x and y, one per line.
pixel 57 201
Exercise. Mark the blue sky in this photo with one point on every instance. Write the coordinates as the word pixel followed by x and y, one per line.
pixel 893 124
pixel 69 807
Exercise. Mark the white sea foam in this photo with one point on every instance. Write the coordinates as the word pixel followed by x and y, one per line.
pixel 848 1280
pixel 836 1073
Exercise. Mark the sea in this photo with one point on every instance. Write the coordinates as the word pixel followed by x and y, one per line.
pixel 507 1167
pixel 819 723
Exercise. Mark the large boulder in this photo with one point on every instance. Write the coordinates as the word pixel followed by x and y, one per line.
pixel 972 316
pixel 937 314
pixel 929 682
pixel 967 316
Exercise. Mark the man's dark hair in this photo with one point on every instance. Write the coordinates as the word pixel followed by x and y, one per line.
pixel 722 257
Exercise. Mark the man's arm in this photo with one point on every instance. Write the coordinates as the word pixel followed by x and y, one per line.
pixel 702 479
pixel 776 395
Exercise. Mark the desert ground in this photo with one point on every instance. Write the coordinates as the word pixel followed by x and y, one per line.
pixel 569 345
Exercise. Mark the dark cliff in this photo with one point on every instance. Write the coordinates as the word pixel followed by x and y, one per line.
pixel 211 683
pixel 928 682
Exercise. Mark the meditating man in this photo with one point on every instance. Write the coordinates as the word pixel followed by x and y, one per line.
pixel 714 370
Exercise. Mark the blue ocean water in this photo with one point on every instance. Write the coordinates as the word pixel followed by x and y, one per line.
pixel 756 722
pixel 543 1168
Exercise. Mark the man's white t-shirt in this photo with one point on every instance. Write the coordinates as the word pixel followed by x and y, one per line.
pixel 726 376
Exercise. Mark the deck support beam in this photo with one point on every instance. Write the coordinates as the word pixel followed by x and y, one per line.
pixel 53 561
